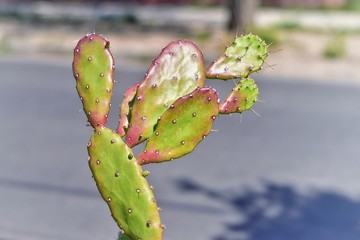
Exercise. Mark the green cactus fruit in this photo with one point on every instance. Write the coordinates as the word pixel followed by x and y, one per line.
pixel 243 57
pixel 93 69
pixel 242 97
pixel 122 185
pixel 177 71
pixel 182 127
pixel 125 108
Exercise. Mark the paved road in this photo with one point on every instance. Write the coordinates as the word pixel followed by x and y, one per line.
pixel 291 174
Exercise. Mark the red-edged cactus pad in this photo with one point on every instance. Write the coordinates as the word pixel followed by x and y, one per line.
pixel 243 57
pixel 242 97
pixel 125 109
pixel 93 69
pixel 182 127
pixel 120 181
pixel 177 71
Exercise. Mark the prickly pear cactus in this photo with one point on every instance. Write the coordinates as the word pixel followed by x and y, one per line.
pixel 242 97
pixel 121 183
pixel 177 71
pixel 243 57
pixel 93 69
pixel 170 107
pixel 175 134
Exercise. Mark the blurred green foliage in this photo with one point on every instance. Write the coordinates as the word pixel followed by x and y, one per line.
pixel 269 34
pixel 288 25
pixel 335 48
pixel 353 5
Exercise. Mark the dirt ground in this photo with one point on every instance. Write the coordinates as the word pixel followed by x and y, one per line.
pixel 298 56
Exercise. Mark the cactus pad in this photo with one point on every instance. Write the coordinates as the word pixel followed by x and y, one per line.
pixel 243 57
pixel 177 71
pixel 182 127
pixel 242 97
pixel 93 69
pixel 122 185
pixel 125 108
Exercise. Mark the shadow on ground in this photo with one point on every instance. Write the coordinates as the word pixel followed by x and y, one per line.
pixel 281 213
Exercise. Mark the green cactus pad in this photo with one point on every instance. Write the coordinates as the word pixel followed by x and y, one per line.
pixel 243 57
pixel 177 71
pixel 124 237
pixel 93 69
pixel 242 97
pixel 182 127
pixel 122 185
pixel 125 109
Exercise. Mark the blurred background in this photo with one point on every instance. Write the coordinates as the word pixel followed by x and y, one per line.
pixel 292 173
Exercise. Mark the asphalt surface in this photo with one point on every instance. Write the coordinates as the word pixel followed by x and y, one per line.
pixel 291 174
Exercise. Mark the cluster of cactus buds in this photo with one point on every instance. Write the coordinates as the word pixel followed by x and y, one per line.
pixel 170 108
